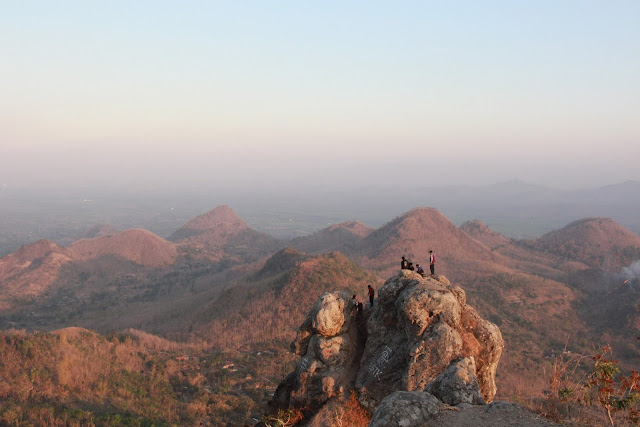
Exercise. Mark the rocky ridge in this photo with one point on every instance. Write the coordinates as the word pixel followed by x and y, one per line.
pixel 420 345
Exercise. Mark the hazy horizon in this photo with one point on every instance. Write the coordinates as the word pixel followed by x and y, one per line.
pixel 318 95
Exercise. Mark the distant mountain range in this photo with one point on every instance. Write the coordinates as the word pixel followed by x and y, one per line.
pixel 515 208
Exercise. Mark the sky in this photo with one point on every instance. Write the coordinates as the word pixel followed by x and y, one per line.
pixel 318 94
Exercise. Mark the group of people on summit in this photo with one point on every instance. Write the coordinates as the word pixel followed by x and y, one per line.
pixel 406 264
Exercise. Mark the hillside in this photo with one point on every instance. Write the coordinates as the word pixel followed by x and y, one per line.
pixel 28 272
pixel 413 235
pixel 266 306
pixel 596 242
pixel 337 237
pixel 223 220
pixel 74 376
pixel 479 231
pixel 221 236
pixel 97 230
pixel 137 245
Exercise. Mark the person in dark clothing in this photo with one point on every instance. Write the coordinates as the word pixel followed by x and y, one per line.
pixel 411 266
pixel 432 262
pixel 358 306
pixel 404 264
pixel 371 294
pixel 419 270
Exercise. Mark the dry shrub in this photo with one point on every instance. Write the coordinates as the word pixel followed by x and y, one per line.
pixel 352 413
pixel 284 418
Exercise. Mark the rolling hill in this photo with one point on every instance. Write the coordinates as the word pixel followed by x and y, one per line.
pixel 137 245
pixel 28 272
pixel 597 242
pixel 337 237
pixel 220 235
pixel 413 235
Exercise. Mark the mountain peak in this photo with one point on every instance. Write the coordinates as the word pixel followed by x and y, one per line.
pixel 413 235
pixel 36 250
pixel 594 241
pixel 354 227
pixel 137 245
pixel 222 220
pixel 221 216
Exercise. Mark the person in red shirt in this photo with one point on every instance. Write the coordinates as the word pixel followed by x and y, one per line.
pixel 371 293
pixel 432 262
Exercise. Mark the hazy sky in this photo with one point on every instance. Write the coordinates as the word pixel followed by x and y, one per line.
pixel 142 94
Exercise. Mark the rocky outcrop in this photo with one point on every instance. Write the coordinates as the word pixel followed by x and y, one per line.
pixel 416 330
pixel 330 347
pixel 420 335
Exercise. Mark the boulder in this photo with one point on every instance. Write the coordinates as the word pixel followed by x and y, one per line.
pixel 457 384
pixel 405 409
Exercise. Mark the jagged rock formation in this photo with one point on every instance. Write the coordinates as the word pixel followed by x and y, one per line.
pixel 419 335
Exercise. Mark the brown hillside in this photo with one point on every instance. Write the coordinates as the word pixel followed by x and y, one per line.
pixel 280 262
pixel 220 235
pixel 271 309
pixel 97 231
pixel 137 245
pixel 597 242
pixel 221 222
pixel 332 238
pixel 483 234
pixel 29 271
pixel 517 256
pixel 414 234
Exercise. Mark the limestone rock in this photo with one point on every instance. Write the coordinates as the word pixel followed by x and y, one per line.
pixel 457 384
pixel 406 409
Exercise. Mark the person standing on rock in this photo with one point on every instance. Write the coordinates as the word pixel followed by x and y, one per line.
pixel 432 262
pixel 371 294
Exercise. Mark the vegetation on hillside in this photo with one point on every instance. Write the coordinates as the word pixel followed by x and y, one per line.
pixel 77 377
